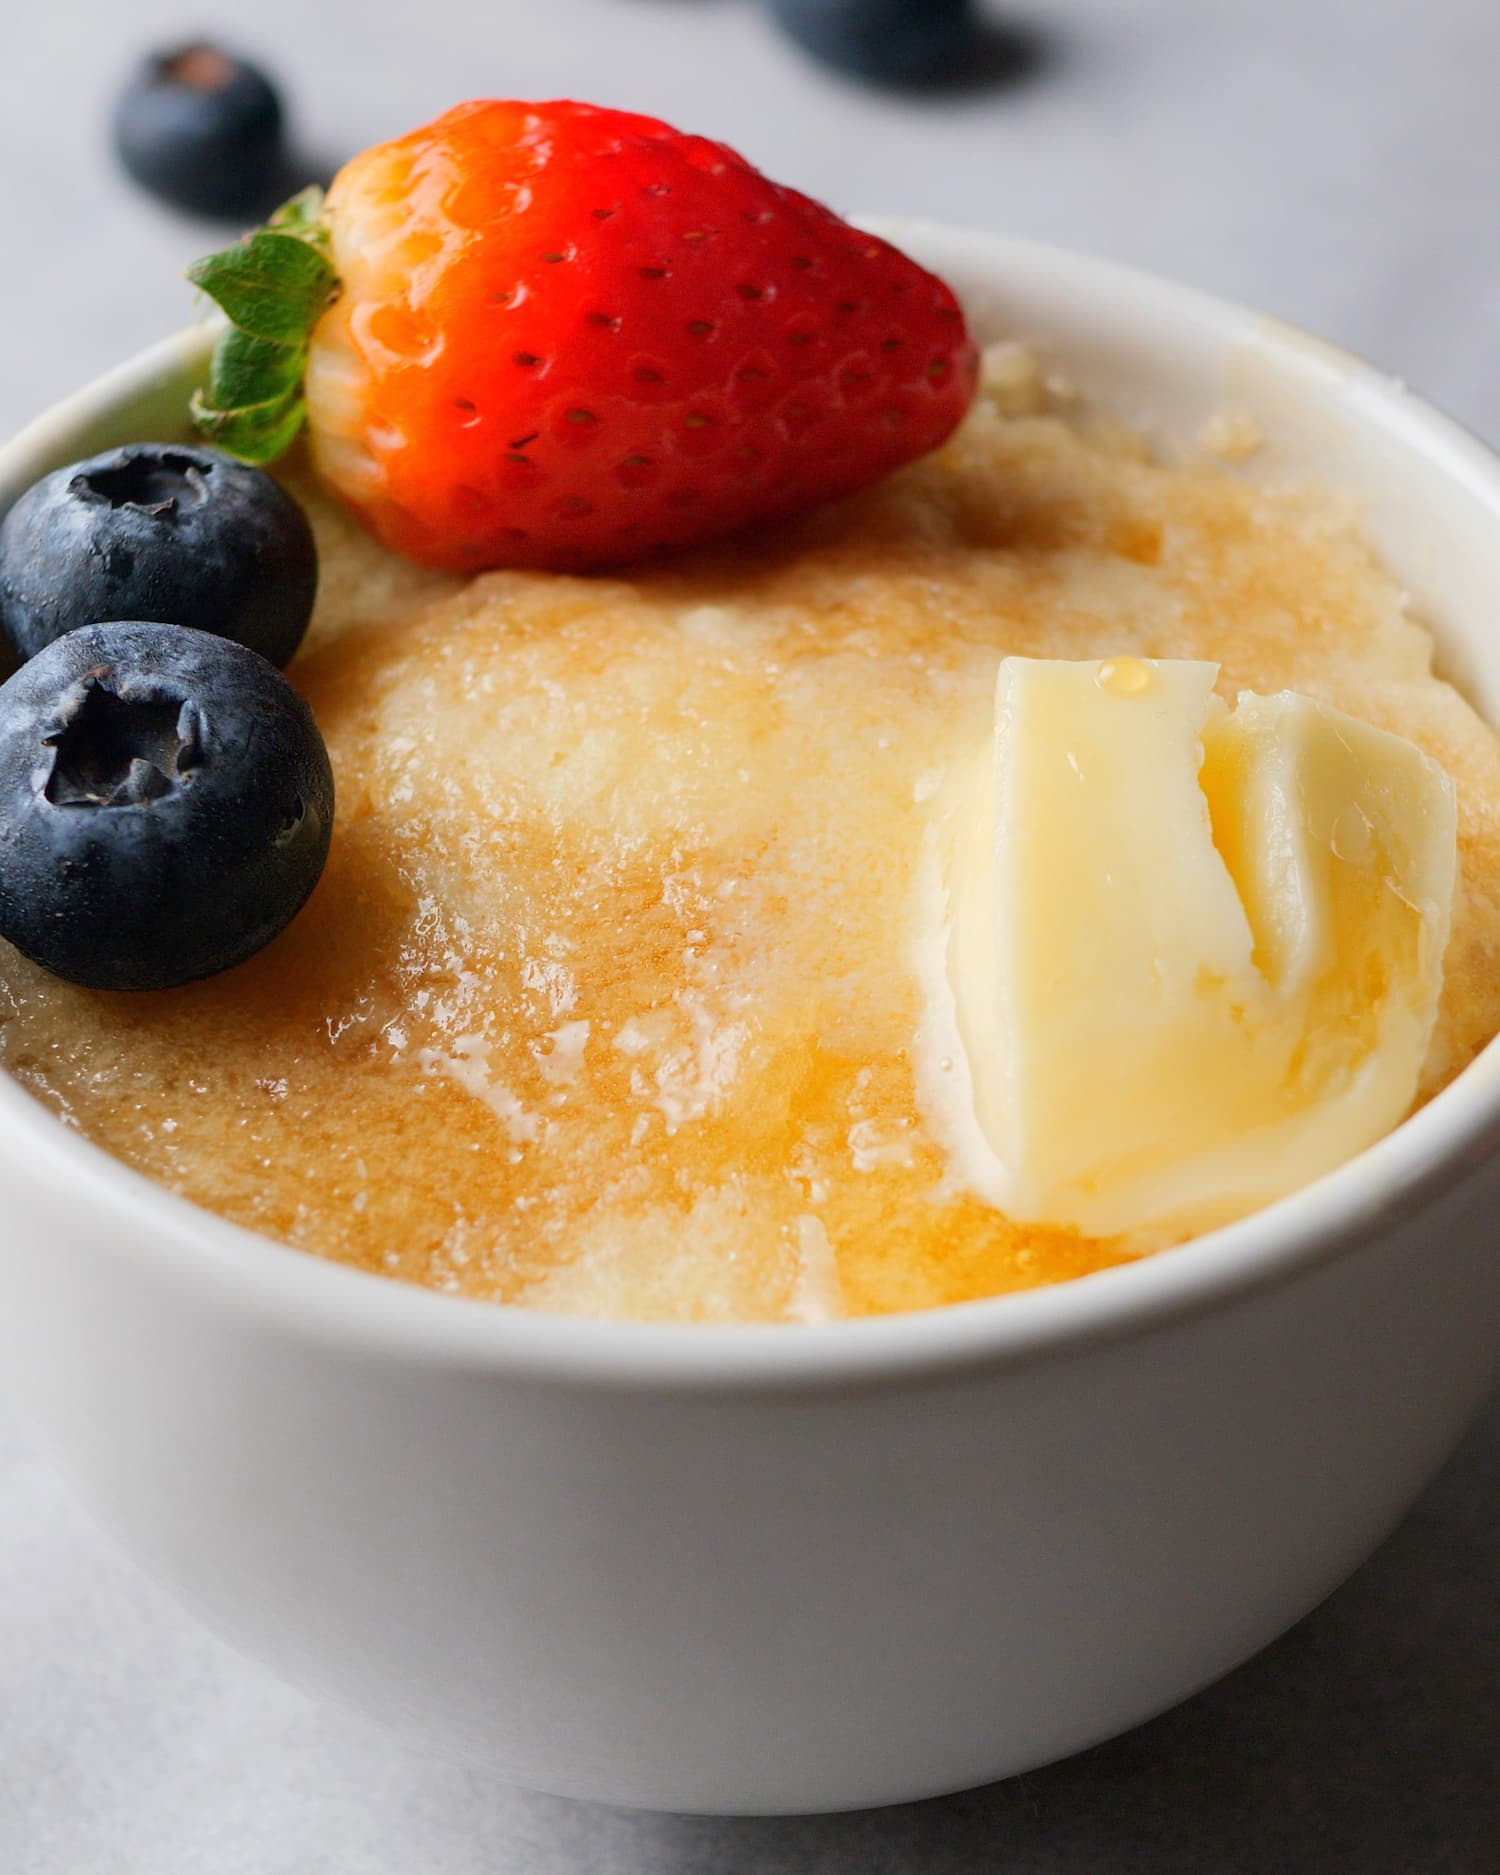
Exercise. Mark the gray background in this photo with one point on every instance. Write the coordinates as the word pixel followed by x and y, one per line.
pixel 1335 161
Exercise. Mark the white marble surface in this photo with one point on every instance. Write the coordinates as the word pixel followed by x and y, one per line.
pixel 1335 161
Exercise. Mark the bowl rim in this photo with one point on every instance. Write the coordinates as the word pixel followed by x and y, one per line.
pixel 1438 1150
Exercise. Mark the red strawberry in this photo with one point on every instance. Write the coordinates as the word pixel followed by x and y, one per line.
pixel 565 336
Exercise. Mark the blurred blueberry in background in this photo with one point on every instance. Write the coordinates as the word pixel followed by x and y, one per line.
pixel 892 42
pixel 204 130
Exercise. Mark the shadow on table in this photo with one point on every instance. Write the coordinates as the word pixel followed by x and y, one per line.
pixel 1364 1743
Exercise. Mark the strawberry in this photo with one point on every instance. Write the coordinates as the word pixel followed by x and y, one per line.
pixel 554 335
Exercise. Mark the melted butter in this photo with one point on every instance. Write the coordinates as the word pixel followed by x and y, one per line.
pixel 1125 677
pixel 1174 1006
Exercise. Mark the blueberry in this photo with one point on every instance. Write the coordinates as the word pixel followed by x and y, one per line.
pixel 898 42
pixel 165 805
pixel 164 531
pixel 202 129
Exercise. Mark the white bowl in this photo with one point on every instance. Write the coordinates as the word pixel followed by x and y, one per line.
pixel 779 1569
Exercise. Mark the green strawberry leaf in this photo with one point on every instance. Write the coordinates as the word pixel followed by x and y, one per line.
pixel 303 216
pixel 248 370
pixel 274 286
pixel 253 432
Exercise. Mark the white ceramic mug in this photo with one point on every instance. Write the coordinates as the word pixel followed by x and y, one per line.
pixel 798 1568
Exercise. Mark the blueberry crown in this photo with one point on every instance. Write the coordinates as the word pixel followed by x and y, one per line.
pixel 273 286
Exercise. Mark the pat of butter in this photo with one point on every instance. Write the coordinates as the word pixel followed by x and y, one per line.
pixel 1194 955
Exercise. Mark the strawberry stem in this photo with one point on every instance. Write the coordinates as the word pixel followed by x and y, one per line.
pixel 273 286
